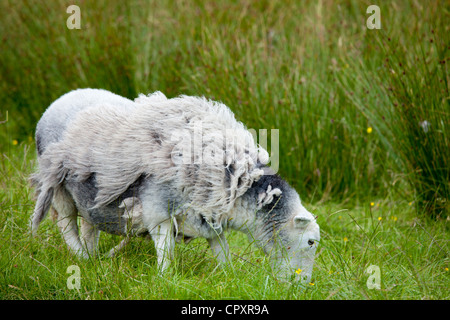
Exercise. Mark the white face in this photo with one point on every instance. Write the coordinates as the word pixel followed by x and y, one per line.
pixel 299 238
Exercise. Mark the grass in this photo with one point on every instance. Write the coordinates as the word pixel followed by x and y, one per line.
pixel 349 103
pixel 412 254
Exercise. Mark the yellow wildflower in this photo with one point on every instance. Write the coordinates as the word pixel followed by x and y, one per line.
pixel 369 130
pixel 15 142
pixel 372 204
pixel 380 218
pixel 311 284
pixel 345 239
pixel 298 271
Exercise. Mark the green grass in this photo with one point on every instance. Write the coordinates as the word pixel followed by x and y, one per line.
pixel 308 68
pixel 412 254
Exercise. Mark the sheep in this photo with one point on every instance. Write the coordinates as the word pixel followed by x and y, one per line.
pixel 172 169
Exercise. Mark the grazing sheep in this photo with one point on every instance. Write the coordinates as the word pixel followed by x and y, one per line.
pixel 174 169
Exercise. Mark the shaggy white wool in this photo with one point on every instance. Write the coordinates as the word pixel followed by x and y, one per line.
pixel 267 197
pixel 120 145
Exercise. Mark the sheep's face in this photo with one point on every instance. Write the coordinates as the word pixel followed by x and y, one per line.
pixel 300 238
pixel 295 242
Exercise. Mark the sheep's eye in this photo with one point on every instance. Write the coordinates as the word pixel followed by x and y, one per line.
pixel 310 242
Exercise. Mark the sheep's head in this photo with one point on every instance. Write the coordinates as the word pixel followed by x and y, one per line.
pixel 286 230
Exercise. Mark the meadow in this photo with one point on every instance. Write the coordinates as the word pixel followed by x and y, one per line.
pixel 363 118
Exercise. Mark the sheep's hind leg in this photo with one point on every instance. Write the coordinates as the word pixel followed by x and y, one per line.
pixel 89 237
pixel 67 221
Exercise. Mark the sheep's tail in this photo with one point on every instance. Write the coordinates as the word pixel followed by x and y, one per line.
pixel 44 200
pixel 46 181
pixel 44 195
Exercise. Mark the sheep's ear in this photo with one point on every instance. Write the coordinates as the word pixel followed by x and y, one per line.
pixel 301 221
pixel 267 196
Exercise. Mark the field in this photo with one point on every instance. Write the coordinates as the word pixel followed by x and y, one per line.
pixel 363 119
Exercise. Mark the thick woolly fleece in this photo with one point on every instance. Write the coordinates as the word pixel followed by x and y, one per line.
pixel 193 144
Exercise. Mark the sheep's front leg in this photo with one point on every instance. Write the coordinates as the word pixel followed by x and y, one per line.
pixel 163 238
pixel 219 247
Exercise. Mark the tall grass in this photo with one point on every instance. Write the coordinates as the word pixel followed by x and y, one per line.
pixel 412 255
pixel 418 89
pixel 411 113
pixel 310 69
